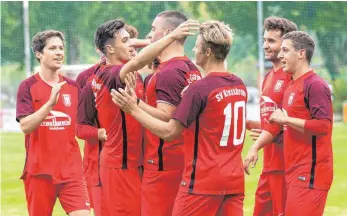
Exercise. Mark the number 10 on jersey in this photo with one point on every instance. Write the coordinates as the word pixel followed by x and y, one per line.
pixel 231 113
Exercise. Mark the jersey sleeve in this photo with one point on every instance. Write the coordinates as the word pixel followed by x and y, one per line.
pixel 113 78
pixel 24 106
pixel 169 86
pixel 86 111
pixel 81 80
pixel 190 107
pixel 318 100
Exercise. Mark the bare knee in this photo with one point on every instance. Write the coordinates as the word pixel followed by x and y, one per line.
pixel 80 213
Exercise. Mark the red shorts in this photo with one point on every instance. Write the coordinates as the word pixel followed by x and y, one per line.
pixel 270 197
pixel 305 202
pixel 121 191
pixel 200 204
pixel 159 190
pixel 94 191
pixel 41 195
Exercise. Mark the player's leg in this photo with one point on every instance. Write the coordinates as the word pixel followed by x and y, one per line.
pixel 232 205
pixel 305 202
pixel 159 190
pixel 277 184
pixel 87 170
pixel 96 191
pixel 40 194
pixel 196 204
pixel 263 202
pixel 121 191
pixel 73 197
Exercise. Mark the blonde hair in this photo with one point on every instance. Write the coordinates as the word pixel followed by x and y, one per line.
pixel 217 36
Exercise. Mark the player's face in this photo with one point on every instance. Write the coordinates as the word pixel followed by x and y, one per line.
pixel 158 30
pixel 272 44
pixel 52 55
pixel 288 56
pixel 200 56
pixel 124 46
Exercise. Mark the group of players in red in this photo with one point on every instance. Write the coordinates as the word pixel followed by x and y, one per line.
pixel 171 145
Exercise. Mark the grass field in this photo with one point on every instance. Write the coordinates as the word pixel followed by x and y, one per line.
pixel 13 199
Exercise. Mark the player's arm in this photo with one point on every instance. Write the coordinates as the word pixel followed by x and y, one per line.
pixel 86 114
pixel 31 122
pixel 319 103
pixel 251 124
pixel 149 53
pixel 165 130
pixel 139 43
pixel 163 111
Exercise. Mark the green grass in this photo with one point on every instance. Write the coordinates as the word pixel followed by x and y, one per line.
pixel 13 199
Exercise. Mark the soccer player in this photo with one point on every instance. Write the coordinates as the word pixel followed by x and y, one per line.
pixel 164 160
pixel 271 192
pixel 46 110
pixel 306 117
pixel 87 127
pixel 121 155
pixel 213 110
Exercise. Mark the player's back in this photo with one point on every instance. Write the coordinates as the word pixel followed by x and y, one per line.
pixel 165 86
pixel 214 140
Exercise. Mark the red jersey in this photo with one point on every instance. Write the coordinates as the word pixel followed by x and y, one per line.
pixel 90 149
pixel 123 148
pixel 308 158
pixel 214 111
pixel 51 149
pixel 165 86
pixel 274 85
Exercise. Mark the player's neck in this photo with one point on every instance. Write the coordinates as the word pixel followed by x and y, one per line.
pixel 276 65
pixel 48 75
pixel 301 70
pixel 215 66
pixel 172 51
pixel 113 60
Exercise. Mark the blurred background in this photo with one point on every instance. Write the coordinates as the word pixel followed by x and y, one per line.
pixel 20 21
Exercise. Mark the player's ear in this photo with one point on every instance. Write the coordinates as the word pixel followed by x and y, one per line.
pixel 302 54
pixel 109 48
pixel 38 55
pixel 167 31
pixel 208 52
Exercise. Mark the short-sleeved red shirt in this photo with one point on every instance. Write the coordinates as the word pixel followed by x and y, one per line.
pixel 308 158
pixel 274 86
pixel 214 111
pixel 123 147
pixel 165 86
pixel 52 148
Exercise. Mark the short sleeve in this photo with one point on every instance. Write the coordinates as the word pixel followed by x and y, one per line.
pixel 113 78
pixel 318 100
pixel 81 80
pixel 169 86
pixel 190 107
pixel 24 106
pixel 86 111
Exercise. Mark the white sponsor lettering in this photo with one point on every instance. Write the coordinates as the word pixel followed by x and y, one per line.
pixel 56 120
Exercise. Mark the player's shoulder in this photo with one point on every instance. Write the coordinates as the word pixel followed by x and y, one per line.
pixel 314 79
pixel 70 81
pixel 28 82
pixel 178 64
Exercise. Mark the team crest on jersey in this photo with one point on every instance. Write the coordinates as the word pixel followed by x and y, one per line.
pixel 291 98
pixel 67 100
pixel 278 85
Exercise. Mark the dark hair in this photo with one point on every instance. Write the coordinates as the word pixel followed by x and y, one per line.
pixel 132 31
pixel 106 32
pixel 173 19
pixel 301 40
pixel 38 42
pixel 281 24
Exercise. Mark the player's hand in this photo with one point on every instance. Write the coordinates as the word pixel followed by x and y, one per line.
pixel 53 100
pixel 251 158
pixel 278 117
pixel 130 82
pixel 185 29
pixel 102 134
pixel 124 100
pixel 255 133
